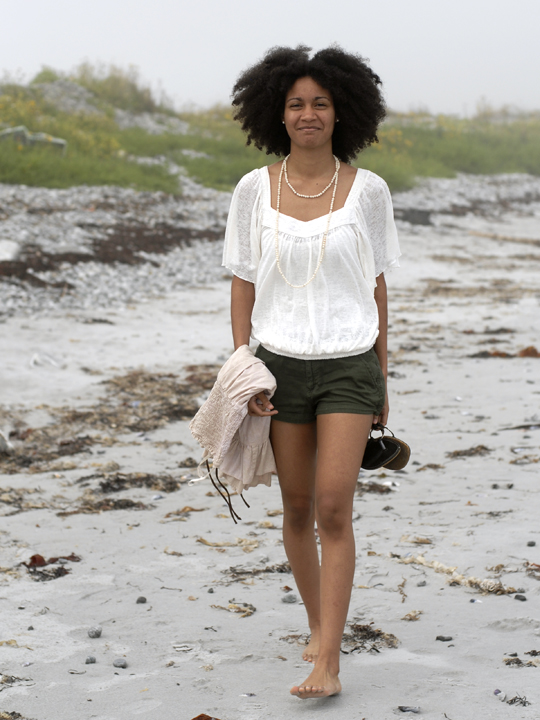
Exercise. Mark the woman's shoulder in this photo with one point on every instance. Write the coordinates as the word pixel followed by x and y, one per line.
pixel 250 182
pixel 372 181
pixel 371 188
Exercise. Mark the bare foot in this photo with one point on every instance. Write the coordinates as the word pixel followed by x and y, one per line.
pixel 311 651
pixel 318 685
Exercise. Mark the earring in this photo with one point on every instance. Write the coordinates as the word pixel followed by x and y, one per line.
pixel 337 119
pixel 283 122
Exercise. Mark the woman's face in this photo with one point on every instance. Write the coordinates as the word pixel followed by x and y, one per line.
pixel 309 114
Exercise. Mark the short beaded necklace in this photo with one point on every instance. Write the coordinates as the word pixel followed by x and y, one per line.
pixel 334 180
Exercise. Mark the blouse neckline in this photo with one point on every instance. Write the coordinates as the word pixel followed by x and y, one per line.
pixel 348 200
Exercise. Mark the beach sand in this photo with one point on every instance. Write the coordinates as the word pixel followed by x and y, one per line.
pixel 92 398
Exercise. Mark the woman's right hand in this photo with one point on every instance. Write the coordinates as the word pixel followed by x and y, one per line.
pixel 260 406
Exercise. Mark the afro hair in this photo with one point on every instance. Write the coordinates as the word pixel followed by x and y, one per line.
pixel 260 92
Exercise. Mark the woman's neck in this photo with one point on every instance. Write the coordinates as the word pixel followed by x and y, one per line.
pixel 311 162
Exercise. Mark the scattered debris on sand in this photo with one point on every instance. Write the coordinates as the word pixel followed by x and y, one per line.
pixel 243 609
pixel 478 450
pixel 485 586
pixel 138 401
pixel 238 573
pixel 366 638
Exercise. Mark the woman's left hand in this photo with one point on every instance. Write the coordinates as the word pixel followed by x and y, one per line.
pixel 382 417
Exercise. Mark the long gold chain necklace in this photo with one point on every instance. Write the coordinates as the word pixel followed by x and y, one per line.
pixel 323 244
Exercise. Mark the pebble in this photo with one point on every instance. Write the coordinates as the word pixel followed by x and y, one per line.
pixel 210 590
pixel 120 663
pixel 408 708
pixel 30 627
pixel 421 583
pixel 289 598
pixel 90 659
pixel 95 631
pixel 531 543
pixel 520 597
pixel 444 638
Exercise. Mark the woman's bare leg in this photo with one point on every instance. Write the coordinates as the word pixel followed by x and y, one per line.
pixel 295 450
pixel 341 441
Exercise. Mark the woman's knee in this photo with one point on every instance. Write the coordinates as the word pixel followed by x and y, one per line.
pixel 333 516
pixel 298 509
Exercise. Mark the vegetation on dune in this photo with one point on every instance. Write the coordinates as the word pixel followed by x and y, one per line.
pixel 213 151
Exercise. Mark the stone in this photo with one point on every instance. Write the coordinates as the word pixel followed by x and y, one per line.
pixel 95 632
pixel 90 659
pixel 120 663
pixel 289 598
pixel 141 600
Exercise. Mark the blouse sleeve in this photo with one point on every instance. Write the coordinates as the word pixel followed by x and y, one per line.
pixel 379 224
pixel 242 249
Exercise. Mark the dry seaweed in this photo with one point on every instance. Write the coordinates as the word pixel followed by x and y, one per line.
pixel 517 662
pixel 126 244
pixel 183 513
pixel 16 497
pixel 90 506
pixel 243 609
pixel 246 545
pixel 363 487
pixel 138 401
pixel 485 586
pixel 478 450
pixel 532 570
pixel 38 570
pixel 296 638
pixel 123 481
pixel 237 573
pixel 8 681
pixel 366 638
pixel 518 700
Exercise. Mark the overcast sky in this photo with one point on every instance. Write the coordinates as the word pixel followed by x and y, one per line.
pixel 443 55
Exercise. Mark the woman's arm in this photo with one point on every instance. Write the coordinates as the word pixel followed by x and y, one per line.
pixel 381 346
pixel 242 301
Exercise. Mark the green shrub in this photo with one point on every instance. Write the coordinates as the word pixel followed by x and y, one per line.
pixel 43 167
pixel 118 87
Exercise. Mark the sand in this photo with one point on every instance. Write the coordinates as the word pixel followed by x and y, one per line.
pixel 468 284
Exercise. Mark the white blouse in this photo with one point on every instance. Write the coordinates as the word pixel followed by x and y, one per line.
pixel 336 314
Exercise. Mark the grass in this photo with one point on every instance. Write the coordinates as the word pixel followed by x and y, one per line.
pixel 43 167
pixel 214 151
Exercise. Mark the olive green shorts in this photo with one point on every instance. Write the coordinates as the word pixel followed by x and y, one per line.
pixel 307 388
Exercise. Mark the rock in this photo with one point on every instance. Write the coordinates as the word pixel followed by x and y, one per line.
pixel 520 597
pixel 531 543
pixel 444 638
pixel 69 97
pixel 120 663
pixel 95 631
pixel 289 598
pixel 9 250
pixel 210 590
pixel 90 660
pixel 5 446
pixel 30 627
pixel 141 600
pixel 421 583
pixel 153 123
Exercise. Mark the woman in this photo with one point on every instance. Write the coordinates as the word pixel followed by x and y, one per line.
pixel 308 240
